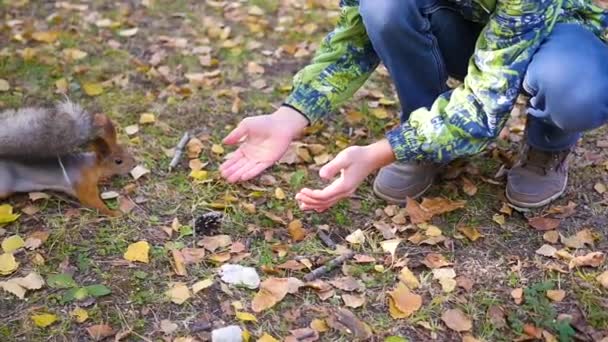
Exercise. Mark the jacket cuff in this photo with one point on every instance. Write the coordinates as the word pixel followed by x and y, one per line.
pixel 405 143
pixel 311 103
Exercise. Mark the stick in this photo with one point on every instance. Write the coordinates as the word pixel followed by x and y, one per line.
pixel 179 150
pixel 326 239
pixel 316 273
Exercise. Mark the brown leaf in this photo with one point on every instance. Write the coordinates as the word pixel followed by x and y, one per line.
pixel 440 205
pixel 532 331
pixel 593 259
pixel 497 316
pixel 357 327
pixel 547 250
pixel 353 301
pixel 36 239
pixel 603 279
pixel 302 335
pixel 579 240
pixel 434 260
pixel 416 213
pixel 100 331
pixel 385 229
pixel 272 291
pixel 518 295
pixel 364 259
pixel 296 231
pixel 551 236
pixel 556 295
pixel 347 284
pixel 211 243
pixel 291 265
pixel 319 325
pixel 470 232
pixel 468 187
pixel 456 320
pixel 409 279
pixel 543 223
pixel 402 302
pixel 465 283
pixel 179 264
pixel 563 211
pixel 193 255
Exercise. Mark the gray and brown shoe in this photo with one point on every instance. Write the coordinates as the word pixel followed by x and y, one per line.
pixel 398 181
pixel 538 178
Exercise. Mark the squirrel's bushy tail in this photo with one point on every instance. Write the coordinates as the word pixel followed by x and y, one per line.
pixel 34 132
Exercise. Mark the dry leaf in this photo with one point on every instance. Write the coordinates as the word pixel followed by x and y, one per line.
pixel 147 118
pixel 345 318
pixel 518 295
pixel 434 260
pixel 551 236
pixel 497 316
pixel 347 284
pixel 500 219
pixel 217 149
pixel 100 331
pixel 302 335
pixel 408 278
pixel 603 279
pixel 440 205
pixel 556 295
pixel 579 240
pixel 179 263
pixel 296 231
pixel 128 32
pixel 600 188
pixel 92 89
pixel 456 320
pixel 33 281
pixel 178 293
pixel 470 232
pixel 390 246
pixel 245 316
pixel 353 301
pixel 192 255
pixel 563 211
pixel 80 315
pixel 194 147
pixel 138 172
pixel 416 212
pixel 138 251
pixel 212 243
pixel 272 291
pixel 593 259
pixel 168 327
pixel 547 250
pixel 267 338
pixel 402 302
pixel 543 223
pixel 44 320
pixel 8 264
pixel 356 237
pixel 319 325
pixel 201 285
pixel 465 283
pixel 468 187
pixel 11 286
pixel 12 243
pixel 46 36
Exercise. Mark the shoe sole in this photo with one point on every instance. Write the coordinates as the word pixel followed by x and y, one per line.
pixel 399 201
pixel 523 205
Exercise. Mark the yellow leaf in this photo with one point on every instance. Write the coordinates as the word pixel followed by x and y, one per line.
pixel 267 338
pixel 356 237
pixel 74 54
pixel 12 243
pixel 279 194
pixel 386 102
pixel 199 175
pixel 603 279
pixel 217 149
pixel 380 113
pixel 178 293
pixel 138 251
pixel 245 316
pixel 92 89
pixel 46 36
pixel 319 325
pixel 245 335
pixel 500 219
pixel 147 118
pixel 402 302
pixel 62 85
pixel 471 232
pixel 44 320
pixel 201 285
pixel 409 279
pixel 6 214
pixel 8 264
pixel 80 315
pixel 556 295
pixel 4 85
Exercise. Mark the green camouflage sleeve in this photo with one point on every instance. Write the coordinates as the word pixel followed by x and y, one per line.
pixel 464 120
pixel 343 62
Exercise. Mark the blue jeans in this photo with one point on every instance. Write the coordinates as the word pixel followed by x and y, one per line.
pixel 421 42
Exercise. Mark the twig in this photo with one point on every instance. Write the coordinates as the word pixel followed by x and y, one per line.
pixel 316 273
pixel 179 151
pixel 327 241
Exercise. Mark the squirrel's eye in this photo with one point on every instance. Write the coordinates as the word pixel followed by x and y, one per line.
pixel 118 161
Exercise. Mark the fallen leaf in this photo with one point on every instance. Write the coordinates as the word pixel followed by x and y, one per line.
pixel 296 231
pixel 440 205
pixel 402 302
pixel 217 149
pixel 4 85
pixel 272 291
pixel 543 223
pixel 147 118
pixel 416 213
pixel 292 265
pixel 138 251
pixel 556 295
pixel 193 255
pixel 6 214
pixel 319 325
pixel 168 327
pixel 465 283
pixel 44 320
pixel 353 301
pixel 100 331
pixel 532 331
pixel 12 243
pixel 600 188
pixel 356 237
pixel 138 172
pixel 212 243
pixel 500 219
pixel 80 315
pixel 434 260
pixel 201 285
pixel 456 320
pixel 74 54
pixel 468 187
pixel 579 240
pixel 132 129
pixel 506 209
pixel 179 263
pixel 33 281
pixel 347 284
pixel 8 264
pixel 563 211
pixel 128 32
pixel 267 338
pixel 302 335
pixel 353 324
pixel 390 246
pixel 178 293
pixel 194 147
pixel 279 194
pixel 470 232
pixel 11 286
pixel 603 279
pixel 245 316
pixel 409 279
pixel 593 259
pixel 551 236
pixel 497 316
pixel 518 295
pixel 547 250
pixel 92 89
pixel 48 37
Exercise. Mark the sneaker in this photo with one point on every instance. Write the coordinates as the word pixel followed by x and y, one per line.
pixel 398 181
pixel 538 178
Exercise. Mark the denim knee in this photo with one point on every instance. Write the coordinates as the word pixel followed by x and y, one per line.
pixel 384 18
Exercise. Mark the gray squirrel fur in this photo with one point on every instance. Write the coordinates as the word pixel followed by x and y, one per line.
pixel 35 132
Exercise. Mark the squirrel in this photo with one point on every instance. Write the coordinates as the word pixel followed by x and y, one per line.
pixel 63 149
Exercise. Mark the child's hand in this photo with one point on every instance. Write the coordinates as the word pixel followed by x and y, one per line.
pixel 354 164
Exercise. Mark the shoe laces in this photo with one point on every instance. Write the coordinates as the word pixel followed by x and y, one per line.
pixel 542 162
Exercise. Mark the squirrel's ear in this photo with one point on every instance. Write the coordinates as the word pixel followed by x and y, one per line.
pixel 101 148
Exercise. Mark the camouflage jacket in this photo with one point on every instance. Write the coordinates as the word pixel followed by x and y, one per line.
pixel 461 121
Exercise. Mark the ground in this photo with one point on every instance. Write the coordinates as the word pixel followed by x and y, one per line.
pixel 201 66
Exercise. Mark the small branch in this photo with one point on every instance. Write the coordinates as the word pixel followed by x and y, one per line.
pixel 318 272
pixel 179 151
pixel 327 241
